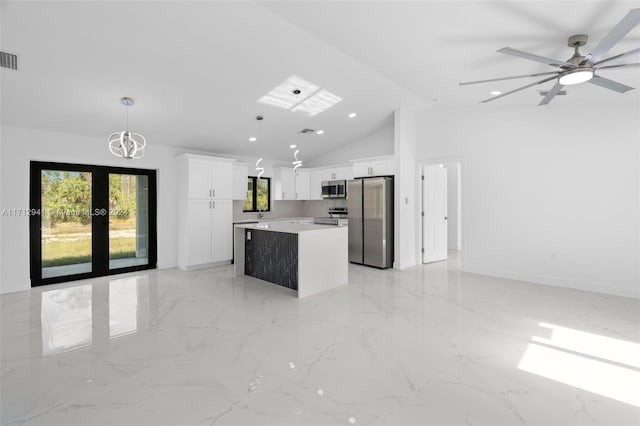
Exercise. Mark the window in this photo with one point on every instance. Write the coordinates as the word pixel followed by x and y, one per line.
pixel 258 195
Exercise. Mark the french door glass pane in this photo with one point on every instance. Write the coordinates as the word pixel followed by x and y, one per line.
pixel 128 220
pixel 66 222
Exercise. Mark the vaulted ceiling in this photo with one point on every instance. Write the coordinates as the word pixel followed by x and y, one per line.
pixel 197 69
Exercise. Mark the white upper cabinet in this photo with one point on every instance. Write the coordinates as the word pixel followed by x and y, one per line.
pixel 376 166
pixel 240 181
pixel 208 177
pixel 285 185
pixel 222 180
pixel 315 184
pixel 199 178
pixel 303 188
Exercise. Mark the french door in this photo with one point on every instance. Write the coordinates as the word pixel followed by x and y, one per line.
pixel 90 221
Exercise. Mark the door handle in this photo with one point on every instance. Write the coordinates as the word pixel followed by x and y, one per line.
pixel 445 218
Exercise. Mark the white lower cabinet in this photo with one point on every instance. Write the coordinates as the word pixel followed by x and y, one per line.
pixel 208 233
pixel 221 232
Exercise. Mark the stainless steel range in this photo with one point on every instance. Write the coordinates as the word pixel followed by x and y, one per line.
pixel 338 212
pixel 337 217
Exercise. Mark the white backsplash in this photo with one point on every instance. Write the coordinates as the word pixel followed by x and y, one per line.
pixel 280 209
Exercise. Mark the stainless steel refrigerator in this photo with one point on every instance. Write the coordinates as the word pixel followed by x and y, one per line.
pixel 370 202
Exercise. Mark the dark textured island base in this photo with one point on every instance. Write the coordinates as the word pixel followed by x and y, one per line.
pixel 272 256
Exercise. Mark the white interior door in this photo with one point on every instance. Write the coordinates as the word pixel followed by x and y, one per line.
pixel 434 220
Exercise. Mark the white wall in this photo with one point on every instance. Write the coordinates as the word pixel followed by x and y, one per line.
pixel 406 194
pixel 377 143
pixel 20 146
pixel 550 194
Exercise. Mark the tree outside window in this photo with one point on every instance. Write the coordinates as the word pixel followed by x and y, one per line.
pixel 258 195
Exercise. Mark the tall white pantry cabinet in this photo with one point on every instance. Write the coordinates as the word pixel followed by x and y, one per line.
pixel 205 211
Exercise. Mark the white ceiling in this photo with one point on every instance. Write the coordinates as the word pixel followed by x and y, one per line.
pixel 196 69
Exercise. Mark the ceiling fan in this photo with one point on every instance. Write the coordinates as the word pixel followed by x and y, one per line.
pixel 578 68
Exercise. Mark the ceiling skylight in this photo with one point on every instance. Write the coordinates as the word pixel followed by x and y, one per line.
pixel 289 92
pixel 297 94
pixel 317 103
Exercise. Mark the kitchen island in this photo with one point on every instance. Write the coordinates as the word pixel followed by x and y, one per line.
pixel 304 257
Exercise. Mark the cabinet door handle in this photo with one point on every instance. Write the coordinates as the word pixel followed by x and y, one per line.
pixel 213 204
pixel 214 192
pixel 209 204
pixel 209 193
pixel 283 195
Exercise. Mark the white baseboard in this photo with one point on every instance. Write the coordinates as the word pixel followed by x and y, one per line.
pixel 555 282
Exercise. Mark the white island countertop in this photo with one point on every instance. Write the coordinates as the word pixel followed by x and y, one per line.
pixel 288 227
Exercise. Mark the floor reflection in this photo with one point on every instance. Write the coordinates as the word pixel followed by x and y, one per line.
pixel 66 319
pixel 78 316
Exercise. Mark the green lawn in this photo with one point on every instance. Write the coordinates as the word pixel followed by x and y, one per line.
pixel 71 244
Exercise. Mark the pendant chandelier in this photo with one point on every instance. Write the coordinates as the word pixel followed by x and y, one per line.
pixel 259 168
pixel 296 162
pixel 127 144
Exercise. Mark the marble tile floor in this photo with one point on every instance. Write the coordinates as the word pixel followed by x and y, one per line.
pixel 430 345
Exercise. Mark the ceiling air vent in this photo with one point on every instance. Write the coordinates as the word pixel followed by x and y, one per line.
pixel 8 60
pixel 307 131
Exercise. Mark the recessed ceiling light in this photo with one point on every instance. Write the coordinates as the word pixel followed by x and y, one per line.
pixel 292 146
pixel 351 115
pixel 252 139
pixel 320 132
pixel 495 92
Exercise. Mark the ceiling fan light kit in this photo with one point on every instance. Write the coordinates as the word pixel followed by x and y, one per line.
pixel 576 76
pixel 577 69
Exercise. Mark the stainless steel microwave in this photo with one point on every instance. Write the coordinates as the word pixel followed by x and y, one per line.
pixel 334 189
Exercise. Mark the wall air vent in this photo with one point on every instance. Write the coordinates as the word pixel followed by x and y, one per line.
pixel 303 131
pixel 8 60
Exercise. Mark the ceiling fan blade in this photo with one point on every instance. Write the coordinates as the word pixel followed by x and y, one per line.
pixel 610 84
pixel 616 34
pixel 616 58
pixel 552 94
pixel 618 66
pixel 508 78
pixel 536 58
pixel 493 98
